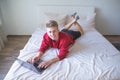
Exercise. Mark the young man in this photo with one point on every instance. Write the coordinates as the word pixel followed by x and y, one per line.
pixel 57 39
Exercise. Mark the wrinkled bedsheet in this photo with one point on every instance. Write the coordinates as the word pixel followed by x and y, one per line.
pixel 92 57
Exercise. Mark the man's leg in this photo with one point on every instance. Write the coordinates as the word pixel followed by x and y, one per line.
pixel 67 26
pixel 74 21
pixel 78 26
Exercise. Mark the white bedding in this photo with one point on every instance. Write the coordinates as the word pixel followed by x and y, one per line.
pixel 92 57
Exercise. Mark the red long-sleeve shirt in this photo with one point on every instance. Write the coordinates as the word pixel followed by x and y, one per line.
pixel 63 44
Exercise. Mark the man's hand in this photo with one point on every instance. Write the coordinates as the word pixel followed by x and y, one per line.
pixel 44 64
pixel 35 58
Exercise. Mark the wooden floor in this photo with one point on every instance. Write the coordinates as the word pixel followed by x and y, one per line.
pixel 113 38
pixel 15 44
pixel 11 50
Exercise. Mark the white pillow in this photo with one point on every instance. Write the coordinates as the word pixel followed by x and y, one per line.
pixel 90 20
pixel 59 17
pixel 86 22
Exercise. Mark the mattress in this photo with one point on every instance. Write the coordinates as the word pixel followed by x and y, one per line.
pixel 92 57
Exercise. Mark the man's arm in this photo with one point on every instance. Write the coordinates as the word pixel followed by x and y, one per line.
pixel 54 60
pixel 35 58
pixel 46 64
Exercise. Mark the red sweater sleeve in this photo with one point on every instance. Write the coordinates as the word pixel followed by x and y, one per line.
pixel 63 51
pixel 45 44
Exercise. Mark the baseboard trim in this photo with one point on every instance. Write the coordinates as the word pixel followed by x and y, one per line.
pixel 18 35
pixel 112 35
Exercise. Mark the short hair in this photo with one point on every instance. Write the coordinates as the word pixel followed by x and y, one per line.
pixel 51 23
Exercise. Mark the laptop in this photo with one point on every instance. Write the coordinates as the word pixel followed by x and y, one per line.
pixel 32 67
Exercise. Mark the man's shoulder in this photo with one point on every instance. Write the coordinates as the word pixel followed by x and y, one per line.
pixel 45 34
pixel 66 38
pixel 46 37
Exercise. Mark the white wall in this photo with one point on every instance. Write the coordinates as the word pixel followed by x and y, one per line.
pixel 20 17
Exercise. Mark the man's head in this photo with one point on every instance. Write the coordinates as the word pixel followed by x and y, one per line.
pixel 52 29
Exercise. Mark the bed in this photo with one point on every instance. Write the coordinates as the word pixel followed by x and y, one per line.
pixel 92 57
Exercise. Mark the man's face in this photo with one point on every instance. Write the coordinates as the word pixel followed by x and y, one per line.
pixel 53 33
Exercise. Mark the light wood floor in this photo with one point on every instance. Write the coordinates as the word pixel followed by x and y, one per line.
pixel 113 38
pixel 15 44
pixel 12 49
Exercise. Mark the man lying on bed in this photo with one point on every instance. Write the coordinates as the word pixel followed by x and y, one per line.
pixel 57 39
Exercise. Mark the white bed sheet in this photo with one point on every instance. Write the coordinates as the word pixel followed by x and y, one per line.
pixel 92 57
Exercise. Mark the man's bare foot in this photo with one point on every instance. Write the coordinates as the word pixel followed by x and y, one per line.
pixel 73 15
pixel 77 17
